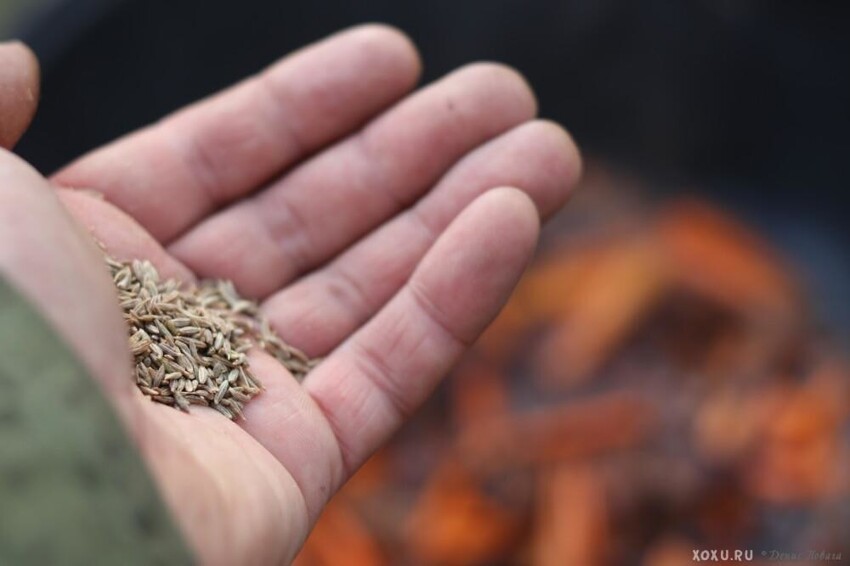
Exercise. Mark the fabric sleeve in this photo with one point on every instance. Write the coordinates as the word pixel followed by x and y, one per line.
pixel 73 489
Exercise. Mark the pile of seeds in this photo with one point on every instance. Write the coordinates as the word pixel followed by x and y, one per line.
pixel 190 342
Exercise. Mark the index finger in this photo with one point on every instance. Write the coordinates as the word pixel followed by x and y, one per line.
pixel 172 174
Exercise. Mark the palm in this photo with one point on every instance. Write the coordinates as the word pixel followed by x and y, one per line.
pixel 352 238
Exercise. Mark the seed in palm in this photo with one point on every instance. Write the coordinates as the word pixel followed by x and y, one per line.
pixel 189 342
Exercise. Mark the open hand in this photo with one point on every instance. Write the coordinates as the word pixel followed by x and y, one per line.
pixel 380 229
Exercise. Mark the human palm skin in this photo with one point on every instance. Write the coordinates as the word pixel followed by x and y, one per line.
pixel 379 228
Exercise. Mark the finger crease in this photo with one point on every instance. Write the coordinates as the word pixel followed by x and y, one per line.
pixel 347 458
pixel 202 166
pixel 433 312
pixel 285 130
pixel 349 291
pixel 287 229
pixel 381 173
pixel 378 373
pixel 418 217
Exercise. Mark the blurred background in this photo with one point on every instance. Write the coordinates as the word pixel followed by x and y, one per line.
pixel 671 373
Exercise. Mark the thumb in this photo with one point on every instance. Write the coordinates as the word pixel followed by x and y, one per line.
pixel 19 83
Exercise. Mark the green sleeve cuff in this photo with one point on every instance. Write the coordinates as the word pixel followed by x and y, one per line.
pixel 73 489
